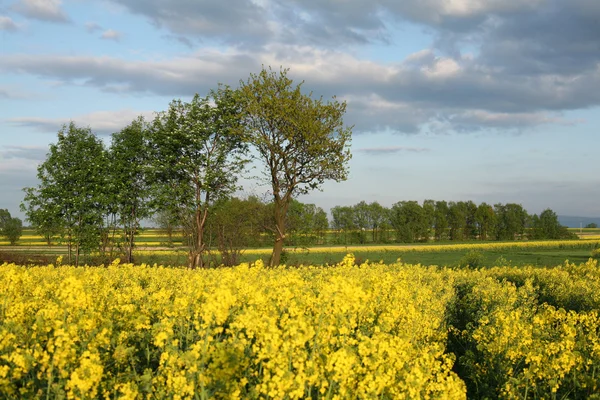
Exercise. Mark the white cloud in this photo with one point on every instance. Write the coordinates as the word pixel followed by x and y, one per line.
pixel 36 153
pixel 101 122
pixel 7 24
pixel 401 97
pixel 111 35
pixel 92 27
pixel 391 150
pixel 44 10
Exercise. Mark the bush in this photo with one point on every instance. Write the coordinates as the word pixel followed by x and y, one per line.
pixel 473 259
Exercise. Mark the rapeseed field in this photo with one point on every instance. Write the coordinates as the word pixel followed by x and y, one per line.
pixel 370 331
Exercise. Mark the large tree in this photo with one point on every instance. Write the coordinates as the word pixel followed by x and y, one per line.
pixel 302 141
pixel 129 183
pixel 198 152
pixel 70 194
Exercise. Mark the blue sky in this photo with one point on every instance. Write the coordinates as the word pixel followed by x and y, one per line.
pixel 483 100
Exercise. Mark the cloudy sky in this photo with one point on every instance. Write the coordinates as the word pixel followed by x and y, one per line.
pixel 484 100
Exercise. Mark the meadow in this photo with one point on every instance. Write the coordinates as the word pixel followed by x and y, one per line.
pixel 349 330
pixel 154 247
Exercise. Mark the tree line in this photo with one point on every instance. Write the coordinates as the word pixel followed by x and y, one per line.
pixel 409 221
pixel 185 163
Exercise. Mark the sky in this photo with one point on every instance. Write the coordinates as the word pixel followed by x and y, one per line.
pixel 483 100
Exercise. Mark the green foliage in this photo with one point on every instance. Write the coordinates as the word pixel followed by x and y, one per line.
pixel 546 226
pixel 301 141
pixel 511 221
pixel 343 221
pixel 410 221
pixel 128 194
pixel 198 151
pixel 440 219
pixel 486 219
pixel 592 225
pixel 70 198
pixel 237 224
pixel 473 259
pixel 10 227
pixel 595 253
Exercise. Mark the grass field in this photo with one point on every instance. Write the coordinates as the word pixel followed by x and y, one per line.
pixel 151 249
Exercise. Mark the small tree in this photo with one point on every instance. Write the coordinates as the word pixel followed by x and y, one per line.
pixel 10 227
pixel 70 194
pixel 301 141
pixel 546 226
pixel 197 153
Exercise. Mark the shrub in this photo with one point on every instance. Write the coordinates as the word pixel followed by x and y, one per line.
pixel 473 259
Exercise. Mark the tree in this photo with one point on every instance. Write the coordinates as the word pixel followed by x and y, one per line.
pixel 168 221
pixel 301 141
pixel 409 221
pixel 130 186
pixel 511 221
pixel 321 224
pixel 198 152
pixel 376 217
pixel 440 219
pixel 486 220
pixel 235 225
pixel 70 194
pixel 429 211
pixel 362 220
pixel 592 225
pixel 470 228
pixel 343 220
pixel 457 220
pixel 10 227
pixel 546 226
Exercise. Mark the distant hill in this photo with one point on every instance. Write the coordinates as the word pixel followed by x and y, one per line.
pixel 576 222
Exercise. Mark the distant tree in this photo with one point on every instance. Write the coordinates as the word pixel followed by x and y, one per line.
pixel 511 220
pixel 321 224
pixel 546 226
pixel 378 217
pixel 70 195
pixel 129 160
pixel 235 225
pixel 301 223
pixel 167 220
pixel 362 221
pixel 592 225
pixel 429 211
pixel 457 220
pixel 10 227
pixel 409 221
pixel 440 219
pixel 301 141
pixel 198 152
pixel 4 218
pixel 470 228
pixel 485 217
pixel 343 220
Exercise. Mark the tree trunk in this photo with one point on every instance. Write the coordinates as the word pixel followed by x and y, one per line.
pixel 69 250
pixel 77 255
pixel 195 259
pixel 280 213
